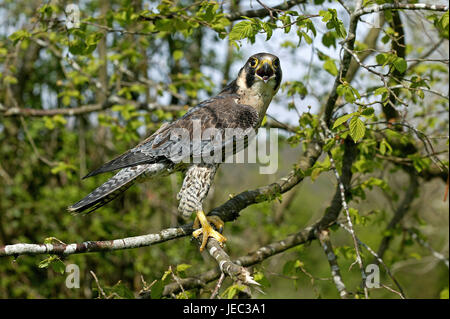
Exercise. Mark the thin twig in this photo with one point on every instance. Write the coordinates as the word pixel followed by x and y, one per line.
pixel 33 145
pixel 393 290
pixel 100 289
pixel 423 243
pixel 219 283
pixel 324 239
pixel 175 277
pixel 370 250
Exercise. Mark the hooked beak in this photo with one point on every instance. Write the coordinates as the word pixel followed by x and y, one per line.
pixel 265 71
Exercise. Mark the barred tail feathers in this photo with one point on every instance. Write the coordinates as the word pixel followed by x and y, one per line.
pixel 109 190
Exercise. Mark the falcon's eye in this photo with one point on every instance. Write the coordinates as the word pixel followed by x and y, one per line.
pixel 254 62
pixel 276 63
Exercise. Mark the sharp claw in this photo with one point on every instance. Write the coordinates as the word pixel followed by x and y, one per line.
pixel 196 224
pixel 207 231
pixel 197 232
pixel 204 241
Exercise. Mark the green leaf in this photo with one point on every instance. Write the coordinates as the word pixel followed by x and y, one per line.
pixel 264 121
pixel 444 22
pixel 368 112
pixel 288 267
pixel 348 92
pixel 382 148
pixel 269 30
pixel 178 54
pixel 63 167
pixel 242 30
pixel 384 145
pixel 183 267
pixel 420 163
pixel 9 79
pixel 357 129
pixel 342 119
pixel 420 94
pixel 261 279
pixel 296 87
pixel 400 64
pixel 381 58
pixel 315 173
pixel 232 291
pixel 415 255
pixel 157 290
pixel 329 145
pixel 329 39
pixel 46 262
pixel 77 46
pixel 309 40
pixel 19 35
pixel 187 294
pixel 330 67
pixel 444 294
pixel 58 266
pixel 326 15
pixel 286 19
pixel 380 90
pixel 355 215
pixel 55 262
pixel 122 291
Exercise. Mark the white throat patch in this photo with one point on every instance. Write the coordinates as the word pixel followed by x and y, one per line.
pixel 258 96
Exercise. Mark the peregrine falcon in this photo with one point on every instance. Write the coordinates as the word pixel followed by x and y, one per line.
pixel 240 106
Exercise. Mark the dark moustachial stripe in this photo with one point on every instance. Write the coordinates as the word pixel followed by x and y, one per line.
pixel 277 78
pixel 249 78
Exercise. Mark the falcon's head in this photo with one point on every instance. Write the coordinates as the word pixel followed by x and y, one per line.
pixel 257 82
pixel 261 71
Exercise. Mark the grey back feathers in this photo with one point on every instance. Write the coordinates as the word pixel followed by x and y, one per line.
pixel 218 113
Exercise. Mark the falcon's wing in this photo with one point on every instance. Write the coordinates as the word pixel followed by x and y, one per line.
pixel 219 113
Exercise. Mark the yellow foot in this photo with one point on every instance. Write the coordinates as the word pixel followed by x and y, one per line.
pixel 204 228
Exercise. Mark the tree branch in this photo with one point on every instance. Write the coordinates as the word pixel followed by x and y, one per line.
pixel 260 13
pixel 399 214
pixel 370 41
pixel 370 250
pixel 89 108
pixel 348 43
pixel 403 6
pixel 342 190
pixel 235 271
pixel 305 235
pixel 96 246
pixel 230 210
pixel 423 243
pixel 324 239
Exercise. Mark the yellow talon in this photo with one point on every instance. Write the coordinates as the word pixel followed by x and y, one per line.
pixel 206 230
